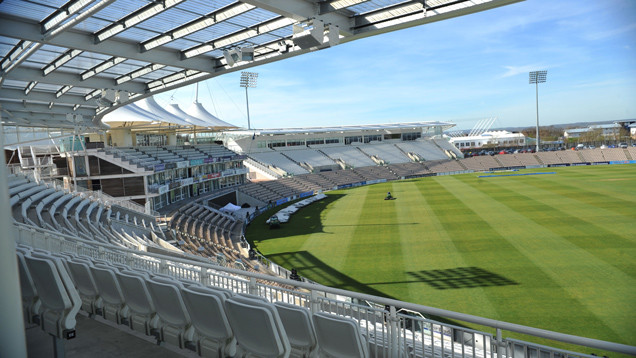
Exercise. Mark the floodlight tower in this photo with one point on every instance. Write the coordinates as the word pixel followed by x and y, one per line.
pixel 248 80
pixel 537 77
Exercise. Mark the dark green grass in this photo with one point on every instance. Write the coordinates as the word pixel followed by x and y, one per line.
pixel 553 251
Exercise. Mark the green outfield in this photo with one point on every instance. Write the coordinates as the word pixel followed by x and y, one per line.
pixel 554 251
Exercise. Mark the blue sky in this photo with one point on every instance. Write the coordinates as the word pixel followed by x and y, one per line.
pixel 459 70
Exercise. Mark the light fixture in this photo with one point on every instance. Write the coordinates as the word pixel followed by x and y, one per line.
pixel 248 80
pixel 61 60
pixel 30 87
pixel 231 56
pixel 62 90
pixel 63 13
pixel 138 73
pixel 537 77
pixel 309 36
pixel 102 67
pixel 135 18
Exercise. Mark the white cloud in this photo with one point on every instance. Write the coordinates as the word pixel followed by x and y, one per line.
pixel 516 70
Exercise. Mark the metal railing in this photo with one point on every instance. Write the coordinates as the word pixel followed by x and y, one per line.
pixel 391 332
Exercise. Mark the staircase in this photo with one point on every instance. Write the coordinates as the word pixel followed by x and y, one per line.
pixel 628 154
pixel 538 159
pixel 99 153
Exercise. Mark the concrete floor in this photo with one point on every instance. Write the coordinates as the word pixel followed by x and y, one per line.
pixel 97 338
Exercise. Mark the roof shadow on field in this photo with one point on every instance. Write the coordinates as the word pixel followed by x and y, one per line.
pixel 314 269
pixel 306 220
pixel 460 277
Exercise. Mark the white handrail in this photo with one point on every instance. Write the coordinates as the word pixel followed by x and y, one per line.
pixel 25 230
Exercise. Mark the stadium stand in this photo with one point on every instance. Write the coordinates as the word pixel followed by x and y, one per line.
pixel 278 160
pixel 388 153
pixel 425 149
pixel 311 157
pixel 352 156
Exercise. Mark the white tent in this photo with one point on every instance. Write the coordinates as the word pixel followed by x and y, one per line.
pixel 149 104
pixel 197 110
pixel 177 111
pixel 130 113
pixel 230 208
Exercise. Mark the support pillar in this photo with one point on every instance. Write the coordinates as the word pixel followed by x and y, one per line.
pixel 121 137
pixel 12 339
pixel 171 138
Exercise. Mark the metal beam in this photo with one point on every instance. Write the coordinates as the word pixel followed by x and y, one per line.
pixel 338 5
pixel 238 36
pixel 15 108
pixel 197 24
pixel 413 13
pixel 302 10
pixel 22 28
pixel 64 78
pixel 35 95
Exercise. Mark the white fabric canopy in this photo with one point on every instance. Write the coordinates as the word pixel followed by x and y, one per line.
pixel 197 110
pixel 229 207
pixel 177 111
pixel 149 104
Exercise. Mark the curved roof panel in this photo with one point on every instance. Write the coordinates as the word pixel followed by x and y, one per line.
pixel 177 111
pixel 93 56
pixel 198 111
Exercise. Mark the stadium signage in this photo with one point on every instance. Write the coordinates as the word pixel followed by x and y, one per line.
pixel 183 164
pixel 194 162
pixel 281 201
pixel 305 194
pixel 163 189
pixel 187 181
pixel 600 163
pixel 160 167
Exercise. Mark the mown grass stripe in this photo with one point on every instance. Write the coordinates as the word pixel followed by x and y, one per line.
pixel 590 228
pixel 562 262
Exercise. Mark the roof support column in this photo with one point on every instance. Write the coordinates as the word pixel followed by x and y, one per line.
pixel 12 340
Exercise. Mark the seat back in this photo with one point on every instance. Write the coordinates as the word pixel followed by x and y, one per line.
pixel 339 336
pixel 206 307
pixel 60 300
pixel 169 303
pixel 298 325
pixel 109 291
pixel 257 327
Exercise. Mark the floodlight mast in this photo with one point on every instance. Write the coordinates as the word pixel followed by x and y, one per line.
pixel 537 77
pixel 248 80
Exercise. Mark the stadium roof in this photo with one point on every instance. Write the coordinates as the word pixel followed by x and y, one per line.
pixel 67 63
pixel 365 127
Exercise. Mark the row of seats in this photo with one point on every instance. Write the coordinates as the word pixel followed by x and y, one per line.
pixel 148 157
pixel 213 321
pixel 41 205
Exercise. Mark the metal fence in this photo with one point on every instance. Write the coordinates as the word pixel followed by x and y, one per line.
pixel 392 328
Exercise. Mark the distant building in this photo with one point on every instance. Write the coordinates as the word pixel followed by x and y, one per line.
pixel 605 130
pixel 501 138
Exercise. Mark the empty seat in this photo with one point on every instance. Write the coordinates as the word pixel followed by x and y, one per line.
pixel 30 301
pixel 257 327
pixel 142 317
pixel 339 336
pixel 114 307
pixel 60 300
pixel 299 328
pixel 175 319
pixel 214 334
pixel 85 283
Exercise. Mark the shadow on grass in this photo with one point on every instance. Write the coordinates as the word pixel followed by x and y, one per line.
pixel 306 220
pixel 316 270
pixel 461 277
